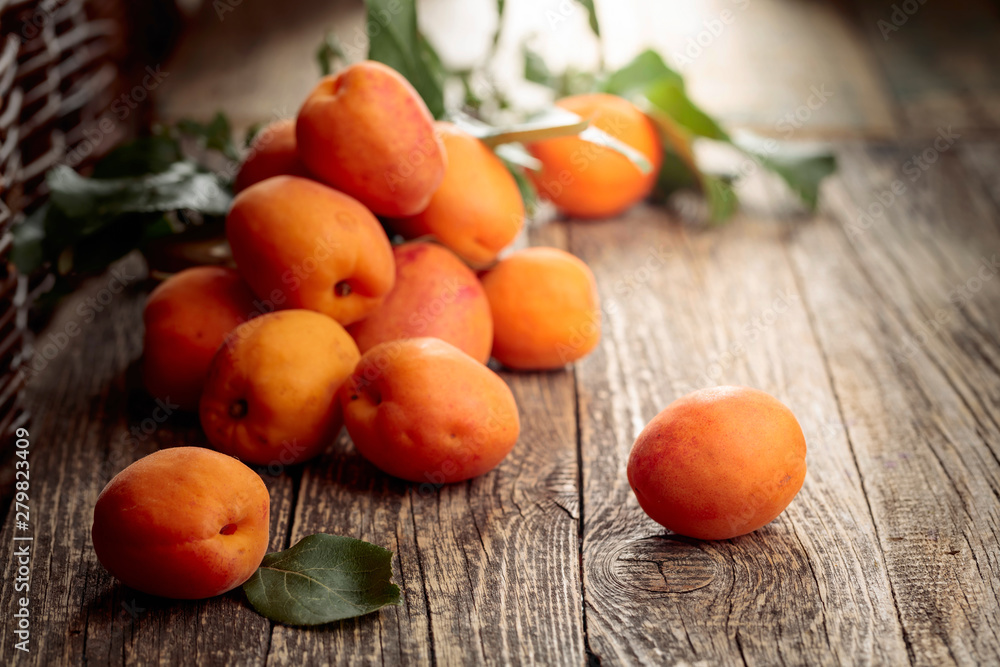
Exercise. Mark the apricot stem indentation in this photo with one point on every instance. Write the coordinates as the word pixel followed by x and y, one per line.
pixel 238 409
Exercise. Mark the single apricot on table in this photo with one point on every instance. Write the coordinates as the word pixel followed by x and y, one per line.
pixel 435 295
pixel 271 392
pixel 477 211
pixel 186 319
pixel 718 463
pixel 185 523
pixel 423 410
pixel 367 132
pixel 585 180
pixel 546 310
pixel 272 152
pixel 301 244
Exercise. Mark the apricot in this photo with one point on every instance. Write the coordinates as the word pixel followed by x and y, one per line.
pixel 477 211
pixel 718 463
pixel 185 523
pixel 272 153
pixel 546 311
pixel 585 180
pixel 305 245
pixel 435 295
pixel 423 410
pixel 271 392
pixel 367 132
pixel 187 317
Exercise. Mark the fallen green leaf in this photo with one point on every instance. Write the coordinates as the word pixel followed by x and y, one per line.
pixel 323 578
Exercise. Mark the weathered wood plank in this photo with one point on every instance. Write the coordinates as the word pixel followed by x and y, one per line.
pixel 937 61
pixel 489 568
pixel 906 312
pixel 90 421
pixel 687 309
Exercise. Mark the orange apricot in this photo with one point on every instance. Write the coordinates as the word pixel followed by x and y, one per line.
pixel 423 410
pixel 718 463
pixel 272 153
pixel 435 295
pixel 367 132
pixel 477 211
pixel 303 244
pixel 186 319
pixel 184 523
pixel 585 180
pixel 546 310
pixel 271 392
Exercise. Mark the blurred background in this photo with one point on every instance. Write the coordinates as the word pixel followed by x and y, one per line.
pixel 885 68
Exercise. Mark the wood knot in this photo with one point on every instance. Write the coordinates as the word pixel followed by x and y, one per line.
pixel 664 564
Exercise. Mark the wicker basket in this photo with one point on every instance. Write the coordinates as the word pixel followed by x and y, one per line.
pixel 58 74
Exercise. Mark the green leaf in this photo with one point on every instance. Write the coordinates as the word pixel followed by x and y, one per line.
pixel 597 136
pixel 252 133
pixel 323 578
pixel 720 197
pixel 675 174
pixel 802 168
pixel 535 69
pixel 517 154
pixel 89 222
pixel 648 80
pixel 28 252
pixel 216 135
pixel 554 122
pixel 529 193
pixel 575 82
pixel 329 53
pixel 182 186
pixel 591 15
pixel 669 97
pixel 501 6
pixel 400 45
pixel 146 155
pixel 641 72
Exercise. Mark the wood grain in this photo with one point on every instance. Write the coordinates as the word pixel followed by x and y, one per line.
pixel 719 307
pixel 875 321
pixel 909 332
pixel 91 420
pixel 489 568
pixel 934 57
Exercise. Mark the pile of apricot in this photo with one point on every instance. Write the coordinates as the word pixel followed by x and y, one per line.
pixel 324 323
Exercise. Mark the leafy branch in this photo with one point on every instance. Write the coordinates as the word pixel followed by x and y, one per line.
pixel 647 81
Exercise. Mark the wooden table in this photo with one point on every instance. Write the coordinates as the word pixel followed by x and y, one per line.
pixel 880 331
